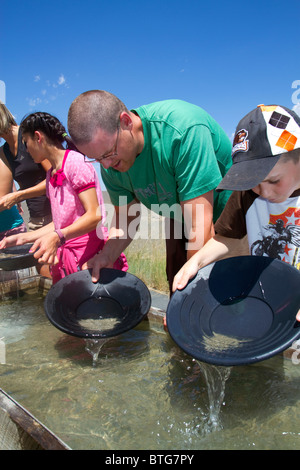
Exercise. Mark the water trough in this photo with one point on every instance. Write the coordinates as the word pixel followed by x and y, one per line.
pixel 22 430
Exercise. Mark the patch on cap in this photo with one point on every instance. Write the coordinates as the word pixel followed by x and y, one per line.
pixel 283 132
pixel 241 142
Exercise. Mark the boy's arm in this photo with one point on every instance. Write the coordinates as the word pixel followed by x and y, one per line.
pixel 216 248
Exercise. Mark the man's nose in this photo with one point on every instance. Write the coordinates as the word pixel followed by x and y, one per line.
pixel 107 162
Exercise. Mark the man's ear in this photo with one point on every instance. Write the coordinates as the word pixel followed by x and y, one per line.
pixel 126 121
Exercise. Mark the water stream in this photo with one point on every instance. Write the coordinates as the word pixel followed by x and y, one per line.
pixel 93 347
pixel 215 377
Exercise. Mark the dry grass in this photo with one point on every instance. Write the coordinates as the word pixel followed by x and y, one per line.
pixel 147 261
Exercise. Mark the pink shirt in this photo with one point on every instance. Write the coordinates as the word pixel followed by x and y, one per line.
pixel 63 188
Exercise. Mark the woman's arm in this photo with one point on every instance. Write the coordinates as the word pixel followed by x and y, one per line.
pixel 6 178
pixel 9 200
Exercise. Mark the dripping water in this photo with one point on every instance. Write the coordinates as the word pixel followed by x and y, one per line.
pixel 94 346
pixel 215 377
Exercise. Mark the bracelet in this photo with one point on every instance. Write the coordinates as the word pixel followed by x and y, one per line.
pixel 60 236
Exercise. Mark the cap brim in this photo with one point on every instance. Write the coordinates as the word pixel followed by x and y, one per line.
pixel 247 174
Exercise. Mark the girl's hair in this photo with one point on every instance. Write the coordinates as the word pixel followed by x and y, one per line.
pixel 6 119
pixel 49 125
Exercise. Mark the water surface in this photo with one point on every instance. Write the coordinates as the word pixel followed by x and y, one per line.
pixel 143 392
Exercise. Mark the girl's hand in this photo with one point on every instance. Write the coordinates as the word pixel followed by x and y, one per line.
pixel 45 248
pixel 13 240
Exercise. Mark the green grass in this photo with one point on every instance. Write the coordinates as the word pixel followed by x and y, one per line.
pixel 147 261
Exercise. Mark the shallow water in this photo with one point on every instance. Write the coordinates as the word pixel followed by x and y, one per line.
pixel 143 392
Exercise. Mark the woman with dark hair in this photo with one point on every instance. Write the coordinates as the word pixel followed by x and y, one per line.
pixel 77 232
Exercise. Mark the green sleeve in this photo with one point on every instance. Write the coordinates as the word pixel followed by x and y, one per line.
pixel 195 164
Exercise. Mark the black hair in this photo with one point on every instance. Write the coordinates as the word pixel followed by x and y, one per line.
pixel 49 125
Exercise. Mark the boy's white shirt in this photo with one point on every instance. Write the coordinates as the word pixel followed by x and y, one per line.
pixel 261 219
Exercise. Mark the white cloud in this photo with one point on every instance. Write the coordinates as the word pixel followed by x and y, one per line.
pixel 42 96
pixel 33 102
pixel 61 79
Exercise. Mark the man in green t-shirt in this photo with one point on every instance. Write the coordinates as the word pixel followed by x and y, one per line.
pixel 169 155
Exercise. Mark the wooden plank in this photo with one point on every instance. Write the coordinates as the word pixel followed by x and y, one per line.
pixel 19 430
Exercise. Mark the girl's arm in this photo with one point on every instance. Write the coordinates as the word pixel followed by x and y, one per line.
pixel 45 247
pixel 89 220
pixel 215 249
pixel 26 237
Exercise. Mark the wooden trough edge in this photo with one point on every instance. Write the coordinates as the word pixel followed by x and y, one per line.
pixel 29 433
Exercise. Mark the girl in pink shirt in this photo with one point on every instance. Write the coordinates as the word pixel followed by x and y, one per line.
pixel 77 232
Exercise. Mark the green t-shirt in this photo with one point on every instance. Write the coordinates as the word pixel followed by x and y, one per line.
pixel 186 154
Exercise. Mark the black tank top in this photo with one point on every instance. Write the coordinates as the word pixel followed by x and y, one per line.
pixel 27 173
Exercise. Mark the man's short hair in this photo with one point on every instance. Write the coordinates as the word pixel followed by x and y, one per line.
pixel 92 110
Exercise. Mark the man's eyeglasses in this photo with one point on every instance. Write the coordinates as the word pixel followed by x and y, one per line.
pixel 111 154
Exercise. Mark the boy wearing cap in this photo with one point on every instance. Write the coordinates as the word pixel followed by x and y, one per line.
pixel 265 203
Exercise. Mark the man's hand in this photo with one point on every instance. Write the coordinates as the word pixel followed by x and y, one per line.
pixel 99 261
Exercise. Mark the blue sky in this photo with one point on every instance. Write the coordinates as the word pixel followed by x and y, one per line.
pixel 226 57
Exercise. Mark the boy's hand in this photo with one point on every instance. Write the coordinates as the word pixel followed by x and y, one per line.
pixel 188 270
